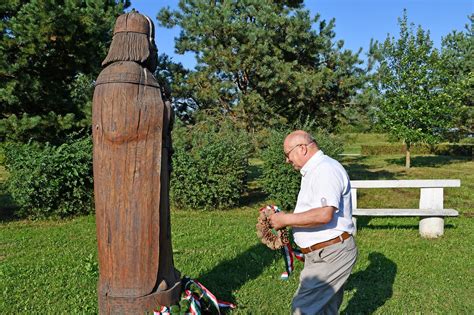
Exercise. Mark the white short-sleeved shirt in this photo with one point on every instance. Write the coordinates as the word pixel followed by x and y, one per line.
pixel 324 182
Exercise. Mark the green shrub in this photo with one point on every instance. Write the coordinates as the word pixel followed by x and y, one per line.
pixel 279 180
pixel 210 164
pixel 51 128
pixel 467 140
pixel 48 180
pixel 2 155
pixel 380 149
pixel 453 149
pixel 439 149
pixel 259 141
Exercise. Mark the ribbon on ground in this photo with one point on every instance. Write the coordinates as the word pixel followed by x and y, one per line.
pixel 196 300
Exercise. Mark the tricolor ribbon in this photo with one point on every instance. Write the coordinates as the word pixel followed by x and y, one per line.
pixel 287 251
pixel 289 254
pixel 207 293
pixel 197 298
pixel 162 311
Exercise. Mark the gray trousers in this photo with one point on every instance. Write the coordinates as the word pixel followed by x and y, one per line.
pixel 322 279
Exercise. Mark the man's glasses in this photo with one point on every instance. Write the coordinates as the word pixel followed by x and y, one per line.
pixel 287 154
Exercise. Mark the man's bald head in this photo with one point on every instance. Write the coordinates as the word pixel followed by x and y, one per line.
pixel 299 147
pixel 297 137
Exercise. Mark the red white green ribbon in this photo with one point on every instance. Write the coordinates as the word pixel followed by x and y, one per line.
pixel 195 306
pixel 287 251
pixel 289 254
pixel 198 296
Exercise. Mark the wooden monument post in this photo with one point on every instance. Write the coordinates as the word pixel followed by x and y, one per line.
pixel 131 134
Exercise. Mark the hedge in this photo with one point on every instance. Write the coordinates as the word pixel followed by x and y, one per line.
pixel 210 165
pixel 439 149
pixel 47 180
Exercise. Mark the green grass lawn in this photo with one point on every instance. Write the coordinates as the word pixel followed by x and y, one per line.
pixel 50 266
pixel 353 141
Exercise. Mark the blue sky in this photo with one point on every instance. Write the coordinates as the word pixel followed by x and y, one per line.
pixel 357 21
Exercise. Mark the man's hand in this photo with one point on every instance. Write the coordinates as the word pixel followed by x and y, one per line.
pixel 278 220
pixel 311 218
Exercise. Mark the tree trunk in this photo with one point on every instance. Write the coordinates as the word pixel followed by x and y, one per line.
pixel 407 157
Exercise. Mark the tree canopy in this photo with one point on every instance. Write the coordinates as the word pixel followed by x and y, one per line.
pixel 457 53
pixel 415 105
pixel 262 61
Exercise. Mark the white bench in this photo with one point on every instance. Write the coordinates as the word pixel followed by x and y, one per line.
pixel 431 210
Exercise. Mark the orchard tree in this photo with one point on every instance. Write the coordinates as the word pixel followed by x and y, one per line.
pixel 264 61
pixel 414 106
pixel 457 53
pixel 50 53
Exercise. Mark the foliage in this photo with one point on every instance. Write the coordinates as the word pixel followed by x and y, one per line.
pixel 457 55
pixel 279 180
pixel 47 180
pixel 361 114
pixel 382 149
pixel 210 165
pixel 261 61
pixel 467 140
pixel 353 141
pixel 415 105
pixel 173 76
pixel 50 51
pixel 439 149
pixel 38 128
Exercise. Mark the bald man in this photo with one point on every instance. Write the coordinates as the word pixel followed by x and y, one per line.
pixel 322 226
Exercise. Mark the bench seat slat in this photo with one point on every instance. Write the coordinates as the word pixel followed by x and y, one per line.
pixel 406 212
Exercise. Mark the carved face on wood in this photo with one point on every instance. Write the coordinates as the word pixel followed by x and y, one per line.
pixel 134 40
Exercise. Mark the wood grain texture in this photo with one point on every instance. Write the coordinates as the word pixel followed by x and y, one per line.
pixel 131 178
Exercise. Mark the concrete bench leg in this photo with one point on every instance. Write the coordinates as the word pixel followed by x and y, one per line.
pixel 432 227
pixel 431 198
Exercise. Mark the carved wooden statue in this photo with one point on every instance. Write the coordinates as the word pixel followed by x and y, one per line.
pixel 132 147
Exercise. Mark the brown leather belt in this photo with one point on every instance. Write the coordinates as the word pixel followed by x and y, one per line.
pixel 340 238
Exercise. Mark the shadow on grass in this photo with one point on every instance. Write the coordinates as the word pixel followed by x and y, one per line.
pixel 358 170
pixel 374 285
pixel 429 160
pixel 254 172
pixel 254 194
pixel 252 197
pixel 363 223
pixel 400 226
pixel 7 207
pixel 231 274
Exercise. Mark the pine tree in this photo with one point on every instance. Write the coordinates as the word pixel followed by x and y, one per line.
pixel 262 61
pixel 50 53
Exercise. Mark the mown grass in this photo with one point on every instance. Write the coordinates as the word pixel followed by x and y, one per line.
pixel 50 266
pixel 353 141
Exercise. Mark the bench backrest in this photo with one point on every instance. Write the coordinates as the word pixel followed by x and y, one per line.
pixel 431 194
